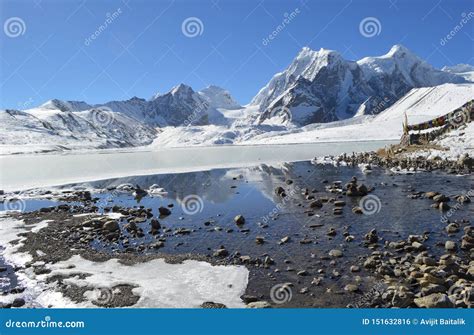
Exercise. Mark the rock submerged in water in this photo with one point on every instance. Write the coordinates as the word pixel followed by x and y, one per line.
pixel 431 195
pixel 331 232
pixel 221 252
pixel 357 210
pixel 155 224
pixel 371 236
pixel 450 246
pixel 351 288
pixel 335 253
pixel 285 239
pixel 316 204
pixel 440 198
pixel 443 206
pixel 239 220
pixel 164 211
pixel 452 228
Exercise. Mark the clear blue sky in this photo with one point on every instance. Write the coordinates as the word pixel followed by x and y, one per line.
pixel 144 51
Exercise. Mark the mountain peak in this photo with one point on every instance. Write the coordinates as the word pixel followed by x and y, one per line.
pixel 399 50
pixel 219 97
pixel 214 88
pixel 308 53
pixel 181 88
pixel 312 86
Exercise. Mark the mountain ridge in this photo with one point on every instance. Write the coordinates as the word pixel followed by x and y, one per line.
pixel 321 86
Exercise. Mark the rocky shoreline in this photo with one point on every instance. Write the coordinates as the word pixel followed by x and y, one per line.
pixel 385 272
pixel 399 160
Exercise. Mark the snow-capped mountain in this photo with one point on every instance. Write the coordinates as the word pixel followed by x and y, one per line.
pixel 181 106
pixel 218 97
pixel 321 86
pixel 320 90
pixel 463 70
pixel 49 128
pixel 419 105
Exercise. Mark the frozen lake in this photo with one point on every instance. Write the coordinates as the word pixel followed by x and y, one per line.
pixel 19 172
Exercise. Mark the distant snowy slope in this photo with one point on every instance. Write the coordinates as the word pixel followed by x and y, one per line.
pixel 464 70
pixel 420 104
pixel 46 129
pixel 180 106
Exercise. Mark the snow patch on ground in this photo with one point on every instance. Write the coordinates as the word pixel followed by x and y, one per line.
pixel 157 283
pixel 456 143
